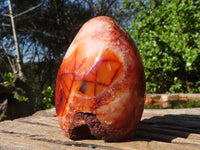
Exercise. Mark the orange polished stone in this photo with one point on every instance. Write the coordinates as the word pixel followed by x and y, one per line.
pixel 100 88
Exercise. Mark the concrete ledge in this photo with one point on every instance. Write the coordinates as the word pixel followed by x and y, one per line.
pixel 177 129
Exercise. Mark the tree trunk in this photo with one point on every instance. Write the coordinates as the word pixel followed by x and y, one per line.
pixel 18 60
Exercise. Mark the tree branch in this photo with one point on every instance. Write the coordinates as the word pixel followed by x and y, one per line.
pixel 94 6
pixel 18 60
pixel 26 11
pixel 12 64
pixel 108 7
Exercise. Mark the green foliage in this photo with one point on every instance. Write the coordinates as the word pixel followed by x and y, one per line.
pixel 48 99
pixel 10 83
pixel 2 118
pixel 8 80
pixel 22 99
pixel 153 107
pixel 176 87
pixel 187 104
pixel 176 105
pixel 168 38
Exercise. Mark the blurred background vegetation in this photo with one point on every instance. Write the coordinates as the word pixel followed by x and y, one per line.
pixel 165 32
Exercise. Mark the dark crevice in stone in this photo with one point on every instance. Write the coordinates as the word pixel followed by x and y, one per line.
pixel 18 134
pixel 80 132
pixel 34 123
pixel 77 144
pixel 86 125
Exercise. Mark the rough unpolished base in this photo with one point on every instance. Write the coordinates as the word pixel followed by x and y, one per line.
pixel 86 125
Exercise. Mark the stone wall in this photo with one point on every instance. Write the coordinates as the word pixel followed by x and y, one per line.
pixel 159 130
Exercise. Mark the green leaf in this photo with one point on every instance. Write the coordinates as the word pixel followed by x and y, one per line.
pixel 23 99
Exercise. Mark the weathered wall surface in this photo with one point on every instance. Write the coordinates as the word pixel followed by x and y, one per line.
pixel 159 129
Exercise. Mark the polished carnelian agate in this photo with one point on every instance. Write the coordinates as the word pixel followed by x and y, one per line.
pixel 100 87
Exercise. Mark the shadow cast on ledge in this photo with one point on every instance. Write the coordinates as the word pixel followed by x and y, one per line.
pixel 167 128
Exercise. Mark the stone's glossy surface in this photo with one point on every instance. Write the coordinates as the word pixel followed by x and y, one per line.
pixel 100 84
